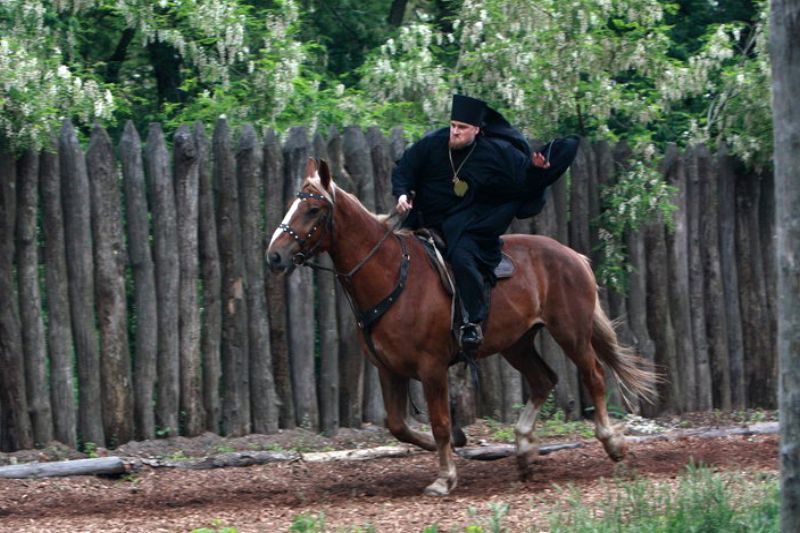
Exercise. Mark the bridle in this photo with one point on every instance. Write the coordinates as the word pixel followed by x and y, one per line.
pixel 302 256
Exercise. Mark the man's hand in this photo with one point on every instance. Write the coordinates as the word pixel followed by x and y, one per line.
pixel 539 160
pixel 403 204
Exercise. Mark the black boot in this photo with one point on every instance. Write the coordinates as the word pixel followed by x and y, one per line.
pixel 471 336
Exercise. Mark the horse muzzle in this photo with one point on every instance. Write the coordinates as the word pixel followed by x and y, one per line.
pixel 280 263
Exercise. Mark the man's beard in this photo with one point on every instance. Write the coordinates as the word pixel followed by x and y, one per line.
pixel 459 144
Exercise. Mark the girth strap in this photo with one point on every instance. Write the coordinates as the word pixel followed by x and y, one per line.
pixel 365 319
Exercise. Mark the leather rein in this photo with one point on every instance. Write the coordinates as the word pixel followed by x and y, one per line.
pixel 364 319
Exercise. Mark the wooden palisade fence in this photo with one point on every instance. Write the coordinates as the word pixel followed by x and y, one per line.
pixel 135 302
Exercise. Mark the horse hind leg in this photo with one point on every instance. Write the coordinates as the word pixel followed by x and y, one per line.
pixel 541 379
pixel 592 375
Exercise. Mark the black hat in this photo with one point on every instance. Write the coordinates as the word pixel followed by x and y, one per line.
pixel 468 110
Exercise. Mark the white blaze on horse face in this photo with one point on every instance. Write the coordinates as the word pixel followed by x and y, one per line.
pixel 286 219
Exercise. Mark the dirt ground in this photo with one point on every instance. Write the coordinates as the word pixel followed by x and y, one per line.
pixel 386 493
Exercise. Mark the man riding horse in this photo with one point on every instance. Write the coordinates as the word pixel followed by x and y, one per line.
pixel 469 181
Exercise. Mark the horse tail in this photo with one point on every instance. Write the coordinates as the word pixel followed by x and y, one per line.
pixel 633 372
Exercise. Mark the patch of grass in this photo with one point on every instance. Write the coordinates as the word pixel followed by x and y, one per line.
pixel 224 448
pixel 178 456
pixel 556 426
pixel 702 501
pixel 304 523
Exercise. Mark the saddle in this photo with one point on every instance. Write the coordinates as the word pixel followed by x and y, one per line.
pixel 435 248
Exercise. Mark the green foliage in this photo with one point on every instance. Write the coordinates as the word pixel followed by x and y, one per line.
pixel 702 501
pixel 304 523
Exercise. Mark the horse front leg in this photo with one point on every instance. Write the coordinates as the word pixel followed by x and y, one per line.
pixel 395 400
pixel 438 411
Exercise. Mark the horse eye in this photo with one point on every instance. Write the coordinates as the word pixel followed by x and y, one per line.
pixel 313 211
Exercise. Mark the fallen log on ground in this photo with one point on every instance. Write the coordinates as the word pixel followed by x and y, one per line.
pixel 121 465
pixel 78 467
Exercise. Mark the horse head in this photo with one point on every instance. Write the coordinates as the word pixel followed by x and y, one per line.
pixel 306 227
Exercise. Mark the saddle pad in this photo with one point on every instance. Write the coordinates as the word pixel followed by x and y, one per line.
pixel 505 269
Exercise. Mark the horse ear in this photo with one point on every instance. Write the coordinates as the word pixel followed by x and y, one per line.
pixel 325 174
pixel 311 167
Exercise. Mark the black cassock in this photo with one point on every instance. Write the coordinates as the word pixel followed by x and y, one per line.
pixel 503 183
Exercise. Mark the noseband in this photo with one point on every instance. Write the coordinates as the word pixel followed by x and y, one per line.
pixel 303 255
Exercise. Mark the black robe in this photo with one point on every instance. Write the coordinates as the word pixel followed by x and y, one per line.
pixel 503 183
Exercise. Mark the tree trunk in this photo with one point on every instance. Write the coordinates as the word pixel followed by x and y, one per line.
pixel 276 287
pixel 211 330
pixel 59 331
pixel 80 267
pixel 165 243
pixel 697 170
pixel 358 161
pixel 16 432
pixel 30 301
pixel 186 159
pixel 235 347
pixel 328 383
pixel 767 239
pixel 144 292
pixel 251 192
pixel 785 41
pixel 112 311
pixel 678 284
pixel 300 296
pixel 714 296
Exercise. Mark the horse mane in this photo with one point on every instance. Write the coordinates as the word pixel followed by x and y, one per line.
pixel 316 183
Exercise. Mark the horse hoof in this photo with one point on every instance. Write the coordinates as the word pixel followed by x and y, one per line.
pixel 440 487
pixel 615 448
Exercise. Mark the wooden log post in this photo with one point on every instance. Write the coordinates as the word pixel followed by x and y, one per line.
pixel 637 279
pixel 382 165
pixel 697 166
pixel 351 361
pixel 759 366
pixel 187 177
pixel 358 160
pixel 567 392
pixel 300 296
pixel 112 312
pixel 210 272
pixel 263 397
pixel 276 287
pixel 30 300
pixel 59 330
pixel 80 268
pixel 235 347
pixel 730 280
pixel 714 296
pixel 328 383
pixel 16 432
pixel 165 244
pixel 144 282
pixel 677 242
pixel 659 321
pixel 613 299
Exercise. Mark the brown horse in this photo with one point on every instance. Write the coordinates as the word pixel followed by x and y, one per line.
pixel 553 286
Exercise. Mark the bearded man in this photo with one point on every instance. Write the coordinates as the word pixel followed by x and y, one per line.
pixel 469 182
